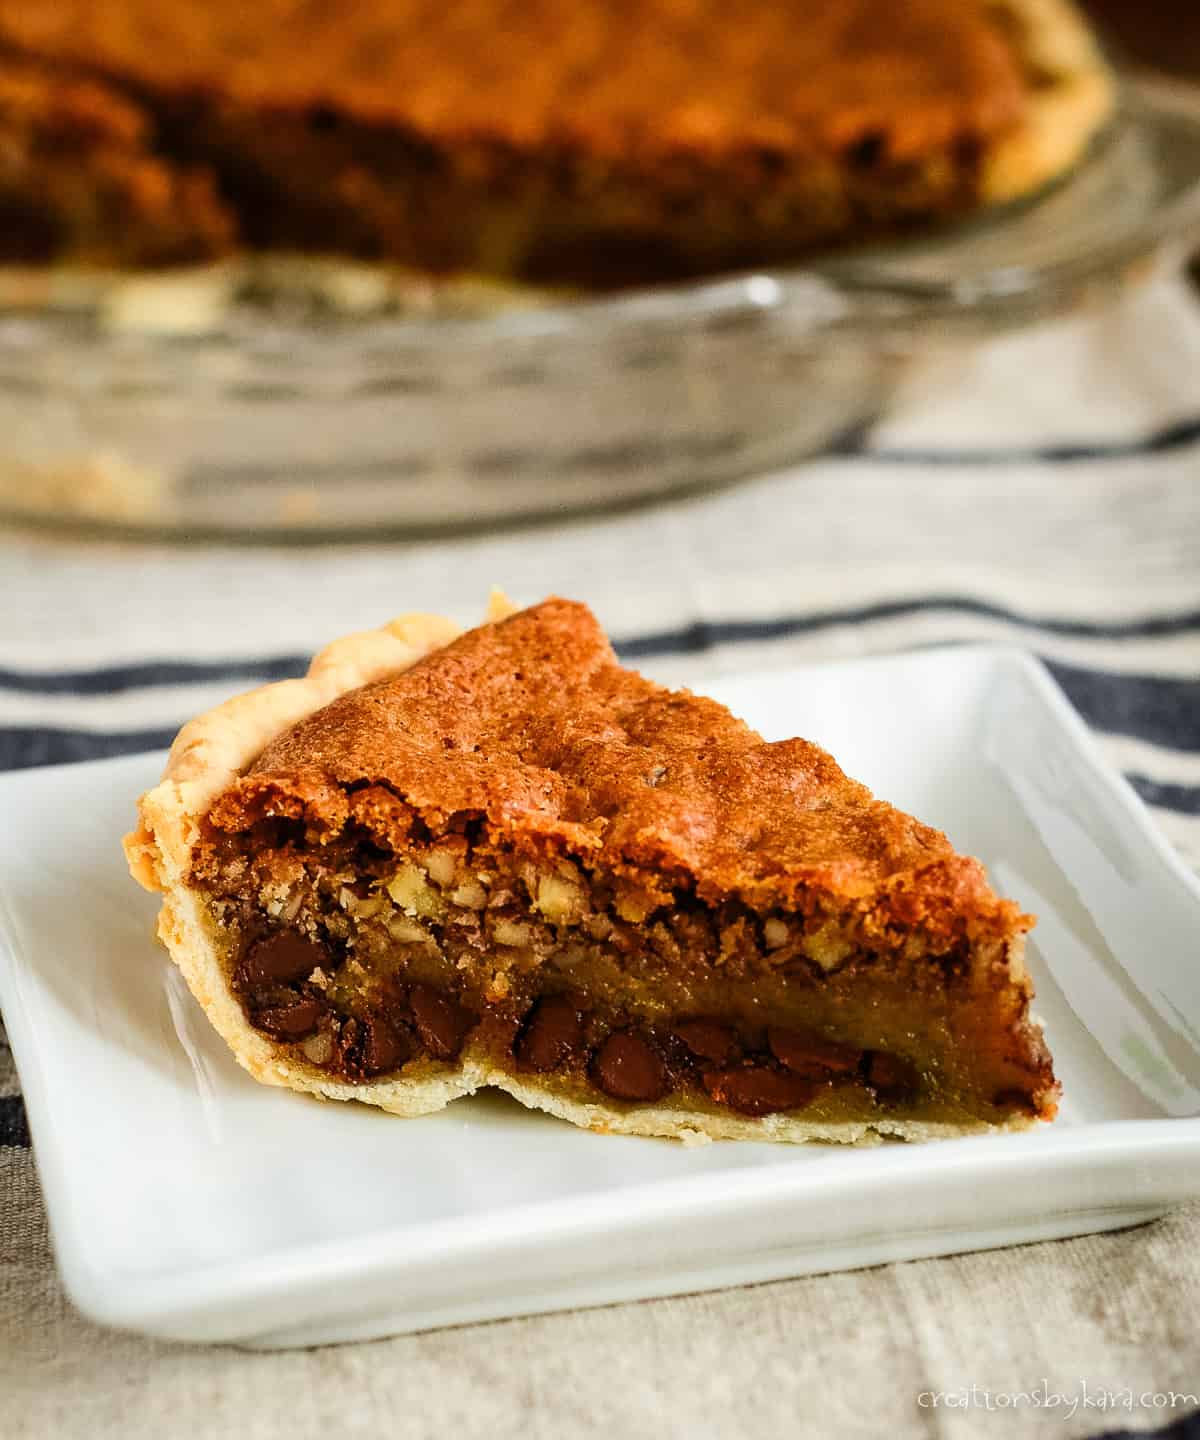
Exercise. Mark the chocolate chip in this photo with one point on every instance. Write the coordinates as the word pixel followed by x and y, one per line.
pixel 383 1047
pixel 290 1022
pixel 551 1034
pixel 758 1090
pixel 370 1047
pixel 347 1042
pixel 811 1055
pixel 280 959
pixel 441 1022
pixel 628 1067
pixel 707 1039
pixel 891 1077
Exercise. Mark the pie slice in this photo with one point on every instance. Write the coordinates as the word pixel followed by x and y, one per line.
pixel 443 862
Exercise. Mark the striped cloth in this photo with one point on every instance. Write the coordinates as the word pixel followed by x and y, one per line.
pixel 1042 490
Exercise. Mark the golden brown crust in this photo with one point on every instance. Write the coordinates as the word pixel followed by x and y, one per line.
pixel 534 724
pixel 1070 96
pixel 666 75
pixel 212 750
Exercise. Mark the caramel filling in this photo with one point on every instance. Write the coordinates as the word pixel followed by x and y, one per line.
pixel 365 960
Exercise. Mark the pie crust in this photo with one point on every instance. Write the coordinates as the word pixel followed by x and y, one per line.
pixel 1072 95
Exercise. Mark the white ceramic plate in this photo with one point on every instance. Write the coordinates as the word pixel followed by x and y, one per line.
pixel 187 1201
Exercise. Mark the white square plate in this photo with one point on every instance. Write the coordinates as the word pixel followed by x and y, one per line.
pixel 187 1201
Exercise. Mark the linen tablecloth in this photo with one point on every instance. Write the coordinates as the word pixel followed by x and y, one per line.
pixel 1043 490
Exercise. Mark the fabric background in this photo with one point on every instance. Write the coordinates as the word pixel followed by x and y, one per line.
pixel 1043 490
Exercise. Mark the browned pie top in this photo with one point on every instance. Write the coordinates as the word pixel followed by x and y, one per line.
pixel 533 724
pixel 611 75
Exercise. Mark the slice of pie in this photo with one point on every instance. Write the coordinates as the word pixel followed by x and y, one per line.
pixel 443 862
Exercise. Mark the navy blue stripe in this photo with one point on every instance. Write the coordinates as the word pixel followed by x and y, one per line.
pixel 689 639
pixel 704 635
pixel 1163 710
pixel 14 1127
pixel 1188 1428
pixel 1176 436
pixel 23 746
pixel 113 679
pixel 1183 798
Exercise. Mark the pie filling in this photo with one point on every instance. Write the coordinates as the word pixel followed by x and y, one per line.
pixel 386 951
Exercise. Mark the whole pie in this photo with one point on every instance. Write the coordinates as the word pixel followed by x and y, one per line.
pixel 599 142
pixel 447 861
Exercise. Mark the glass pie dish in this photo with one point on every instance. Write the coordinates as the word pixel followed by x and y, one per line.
pixel 294 397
